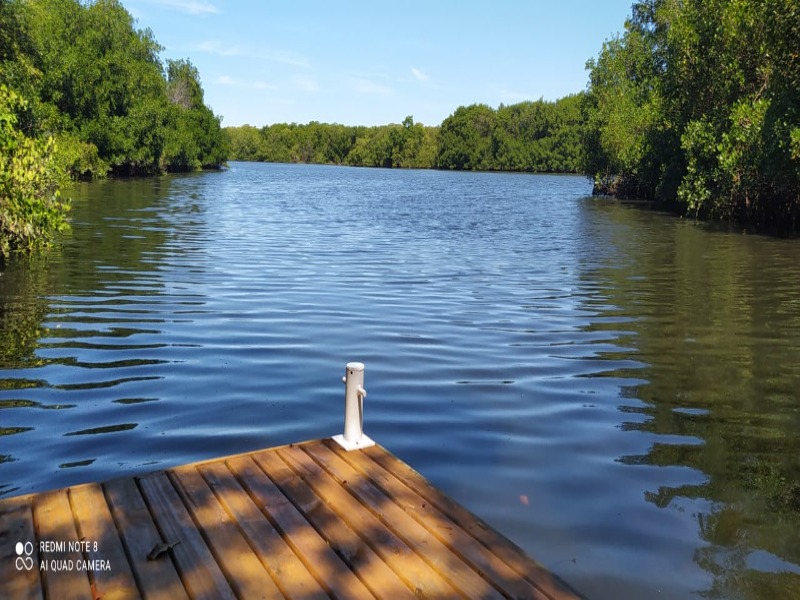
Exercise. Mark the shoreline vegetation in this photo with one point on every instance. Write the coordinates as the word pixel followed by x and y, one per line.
pixel 538 136
pixel 84 95
pixel 695 107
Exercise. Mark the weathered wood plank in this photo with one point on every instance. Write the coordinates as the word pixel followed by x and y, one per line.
pixel 95 525
pixel 511 554
pixel 55 523
pixel 415 504
pixel 299 521
pixel 417 574
pixel 245 573
pixel 449 565
pixel 199 570
pixel 363 560
pixel 16 526
pixel 156 579
pixel 291 575
pixel 332 573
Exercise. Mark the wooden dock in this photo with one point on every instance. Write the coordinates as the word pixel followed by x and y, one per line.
pixel 300 521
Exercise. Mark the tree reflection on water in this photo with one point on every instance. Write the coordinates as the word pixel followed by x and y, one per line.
pixel 717 325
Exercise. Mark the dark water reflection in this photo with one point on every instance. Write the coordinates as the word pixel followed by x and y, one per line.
pixel 612 388
pixel 717 326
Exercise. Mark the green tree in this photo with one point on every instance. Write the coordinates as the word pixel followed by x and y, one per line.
pixel 97 85
pixel 465 139
pixel 100 75
pixel 538 136
pixel 279 143
pixel 624 108
pixel 696 105
pixel 530 136
pixel 193 136
pixel 374 148
pixel 16 47
pixel 417 148
pixel 183 84
pixel 244 143
pixel 31 206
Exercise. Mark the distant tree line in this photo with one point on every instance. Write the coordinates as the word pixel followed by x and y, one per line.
pixel 530 136
pixel 407 145
pixel 83 94
pixel 697 105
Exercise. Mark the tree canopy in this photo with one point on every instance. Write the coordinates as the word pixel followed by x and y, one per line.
pixel 31 207
pixel 83 94
pixel 531 136
pixel 697 105
pixel 409 145
pixel 95 82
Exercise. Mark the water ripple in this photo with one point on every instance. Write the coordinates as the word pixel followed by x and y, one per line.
pixel 629 375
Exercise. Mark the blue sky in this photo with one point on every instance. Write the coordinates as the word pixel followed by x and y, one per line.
pixel 373 63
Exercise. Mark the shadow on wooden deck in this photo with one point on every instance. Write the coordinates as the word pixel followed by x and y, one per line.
pixel 300 521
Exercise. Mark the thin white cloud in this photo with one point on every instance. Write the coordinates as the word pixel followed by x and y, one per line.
pixel 419 75
pixel 365 86
pixel 277 56
pixel 193 7
pixel 286 58
pixel 227 80
pixel 215 47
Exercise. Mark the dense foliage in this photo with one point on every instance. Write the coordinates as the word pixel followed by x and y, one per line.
pixel 408 145
pixel 697 105
pixel 85 94
pixel 530 136
pixel 31 207
pixel 97 84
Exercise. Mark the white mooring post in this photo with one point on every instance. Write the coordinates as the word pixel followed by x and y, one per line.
pixel 354 393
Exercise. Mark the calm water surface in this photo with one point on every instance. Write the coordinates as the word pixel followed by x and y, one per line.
pixel 616 390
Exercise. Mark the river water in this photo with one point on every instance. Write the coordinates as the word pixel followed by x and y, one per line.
pixel 614 389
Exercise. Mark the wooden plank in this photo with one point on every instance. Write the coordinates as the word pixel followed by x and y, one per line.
pixel 96 526
pixel 408 565
pixel 157 579
pixel 511 554
pixel 332 573
pixel 288 571
pixel 413 502
pixel 245 573
pixel 55 523
pixel 364 561
pixel 451 566
pixel 16 526
pixel 301 521
pixel 199 571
